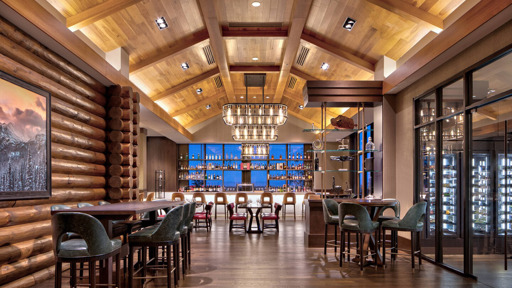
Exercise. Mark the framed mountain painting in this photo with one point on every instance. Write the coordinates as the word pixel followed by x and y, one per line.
pixel 25 161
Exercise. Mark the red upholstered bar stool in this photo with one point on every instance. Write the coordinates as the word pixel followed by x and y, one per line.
pixel 289 199
pixel 271 217
pixel 267 198
pixel 240 198
pixel 221 199
pixel 236 217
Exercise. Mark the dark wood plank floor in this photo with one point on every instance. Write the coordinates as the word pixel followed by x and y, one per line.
pixel 223 259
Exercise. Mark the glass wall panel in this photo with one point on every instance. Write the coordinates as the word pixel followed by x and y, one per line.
pixel 451 173
pixel 453 97
pixel 492 79
pixel 426 109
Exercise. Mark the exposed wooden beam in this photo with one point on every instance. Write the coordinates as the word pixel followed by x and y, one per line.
pixel 56 30
pixel 209 12
pixel 300 13
pixel 199 120
pixel 254 91
pixel 302 75
pixel 98 12
pixel 477 23
pixel 254 69
pixel 254 31
pixel 202 103
pixel 170 51
pixel 303 118
pixel 185 85
pixel 340 53
pixel 411 12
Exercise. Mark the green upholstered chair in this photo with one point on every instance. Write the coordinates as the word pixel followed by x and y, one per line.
pixel 165 235
pixel 361 224
pixel 396 209
pixel 183 229
pixel 93 246
pixel 330 210
pixel 413 222
pixel 190 223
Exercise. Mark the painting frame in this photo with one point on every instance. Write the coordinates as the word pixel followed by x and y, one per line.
pixel 41 178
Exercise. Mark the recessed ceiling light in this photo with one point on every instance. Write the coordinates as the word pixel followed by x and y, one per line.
pixel 199 90
pixel 208 106
pixel 301 107
pixel 241 97
pixel 184 66
pixel 267 97
pixel 254 97
pixel 349 24
pixel 256 4
pixel 255 58
pixel 161 23
pixel 324 66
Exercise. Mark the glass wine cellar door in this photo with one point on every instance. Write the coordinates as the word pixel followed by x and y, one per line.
pixel 491 193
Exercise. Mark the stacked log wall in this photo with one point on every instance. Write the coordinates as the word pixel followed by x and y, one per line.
pixel 78 155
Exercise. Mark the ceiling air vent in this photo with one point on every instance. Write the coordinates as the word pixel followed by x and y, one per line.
pixel 218 82
pixel 302 55
pixel 292 82
pixel 208 54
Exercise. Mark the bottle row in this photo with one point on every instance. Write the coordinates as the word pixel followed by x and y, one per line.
pixel 213 157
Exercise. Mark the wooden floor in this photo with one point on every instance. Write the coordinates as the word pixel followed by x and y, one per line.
pixel 223 259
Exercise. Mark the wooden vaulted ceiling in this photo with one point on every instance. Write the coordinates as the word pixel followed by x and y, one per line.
pixel 220 38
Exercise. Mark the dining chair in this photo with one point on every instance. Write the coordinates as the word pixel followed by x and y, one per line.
pixel 205 215
pixel 93 246
pixel 362 225
pixel 267 198
pixel 221 198
pixel 241 198
pixel 330 212
pixel 165 235
pixel 236 217
pixel 177 196
pixel 289 199
pixel 306 197
pixel 271 217
pixel 413 222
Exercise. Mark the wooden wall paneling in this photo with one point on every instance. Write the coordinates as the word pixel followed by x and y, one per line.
pixel 162 155
pixel 14 271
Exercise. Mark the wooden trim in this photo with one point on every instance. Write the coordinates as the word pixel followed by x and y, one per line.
pixel 56 30
pixel 339 53
pixel 344 84
pixel 199 120
pixel 197 105
pixel 184 85
pixel 256 69
pixel 343 99
pixel 98 12
pixel 480 15
pixel 236 32
pixel 180 47
pixel 211 21
pixel 298 21
pixel 411 12
pixel 345 91
pixel 302 75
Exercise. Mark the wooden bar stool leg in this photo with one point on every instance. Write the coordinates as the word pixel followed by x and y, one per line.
pixel 384 248
pixel 130 268
pixel 325 239
pixel 169 266
pixel 418 247
pixel 335 239
pixel 58 274
pixel 413 240
pixel 176 264
pixel 92 274
pixel 72 273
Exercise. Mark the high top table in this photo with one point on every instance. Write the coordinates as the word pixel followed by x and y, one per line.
pixel 250 206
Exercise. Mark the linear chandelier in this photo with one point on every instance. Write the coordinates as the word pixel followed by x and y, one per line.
pixel 255 133
pixel 255 149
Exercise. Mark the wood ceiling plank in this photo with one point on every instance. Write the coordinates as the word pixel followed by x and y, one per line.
pixel 339 53
pixel 411 12
pixel 217 43
pixel 302 75
pixel 97 13
pixel 199 104
pixel 300 14
pixel 170 51
pixel 303 118
pixel 185 85
pixel 254 32
pixel 202 119
pixel 254 69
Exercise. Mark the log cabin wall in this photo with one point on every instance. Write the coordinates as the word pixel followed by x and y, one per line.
pixel 79 159
pixel 162 155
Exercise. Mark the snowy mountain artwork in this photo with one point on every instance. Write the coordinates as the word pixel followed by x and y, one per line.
pixel 24 130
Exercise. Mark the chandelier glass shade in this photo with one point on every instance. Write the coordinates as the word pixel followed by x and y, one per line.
pixel 255 114
pixel 254 133
pixel 255 150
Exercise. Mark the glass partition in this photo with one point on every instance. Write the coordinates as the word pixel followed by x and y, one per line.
pixel 426 109
pixel 492 79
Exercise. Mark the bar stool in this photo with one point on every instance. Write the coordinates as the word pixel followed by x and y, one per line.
pixel 289 199
pixel 396 209
pixel 182 228
pixel 93 246
pixel 330 211
pixel 150 197
pixel 240 198
pixel 221 199
pixel 177 196
pixel 165 235
pixel 199 198
pixel 306 197
pixel 267 198
pixel 412 222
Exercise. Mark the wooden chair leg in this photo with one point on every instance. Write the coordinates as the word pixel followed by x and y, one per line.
pixel 348 247
pixel 58 274
pixel 335 239
pixel 413 240
pixel 294 216
pixel 92 274
pixel 361 257
pixel 342 247
pixel 325 239
pixel 169 266
pixel 176 264
pixel 118 270
pixel 130 268
pixel 384 247
pixel 418 246
pixel 72 272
